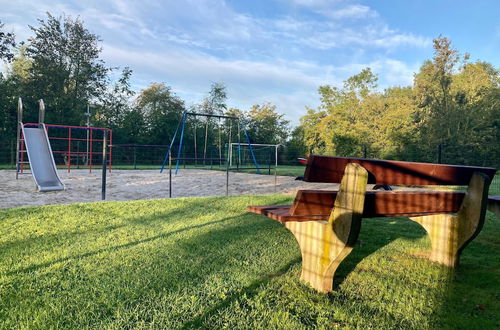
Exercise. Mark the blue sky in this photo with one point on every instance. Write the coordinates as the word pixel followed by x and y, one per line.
pixel 276 50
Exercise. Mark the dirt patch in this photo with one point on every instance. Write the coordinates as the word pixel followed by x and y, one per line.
pixel 82 186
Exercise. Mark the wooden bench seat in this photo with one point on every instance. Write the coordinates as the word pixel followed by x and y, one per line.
pixel 326 224
pixel 310 205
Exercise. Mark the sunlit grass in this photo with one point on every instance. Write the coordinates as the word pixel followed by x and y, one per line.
pixel 205 262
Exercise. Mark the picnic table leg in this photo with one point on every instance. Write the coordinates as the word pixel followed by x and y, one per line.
pixel 323 244
pixel 450 234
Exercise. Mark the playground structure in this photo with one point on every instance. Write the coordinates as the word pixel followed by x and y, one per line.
pixel 34 141
pixel 223 157
pixel 37 146
pixel 72 146
pixel 266 155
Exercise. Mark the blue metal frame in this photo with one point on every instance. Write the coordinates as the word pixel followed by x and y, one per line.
pixel 182 124
pixel 173 140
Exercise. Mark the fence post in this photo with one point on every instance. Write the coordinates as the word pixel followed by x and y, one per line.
pixel 104 163
pixel 12 153
pixel 77 154
pixel 135 157
pixel 170 173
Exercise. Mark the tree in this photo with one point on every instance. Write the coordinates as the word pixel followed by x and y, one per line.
pixel 449 96
pixel 215 102
pixel 7 43
pixel 115 103
pixel 7 101
pixel 433 89
pixel 344 122
pixel 66 70
pixel 265 125
pixel 162 111
pixel 295 147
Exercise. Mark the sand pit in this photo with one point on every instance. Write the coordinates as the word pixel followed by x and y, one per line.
pixel 82 186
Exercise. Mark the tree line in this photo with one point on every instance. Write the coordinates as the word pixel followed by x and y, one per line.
pixel 61 64
pixel 453 103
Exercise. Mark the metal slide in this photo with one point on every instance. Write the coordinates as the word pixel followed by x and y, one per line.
pixel 43 167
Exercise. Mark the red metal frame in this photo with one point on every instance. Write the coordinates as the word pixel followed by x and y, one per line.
pixel 70 138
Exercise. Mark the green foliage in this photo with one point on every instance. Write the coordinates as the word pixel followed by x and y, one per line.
pixel 7 109
pixel 265 125
pixel 7 43
pixel 161 110
pixel 206 263
pixel 215 102
pixel 115 103
pixel 66 70
pixel 453 103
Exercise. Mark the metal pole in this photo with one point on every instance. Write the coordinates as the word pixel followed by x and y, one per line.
pixel 275 167
pixel 104 163
pixel 220 143
pixel 269 163
pixel 195 144
pixel 206 140
pixel 18 136
pixel 77 154
pixel 41 112
pixel 11 152
pixel 88 129
pixel 110 151
pixel 230 152
pixel 135 151
pixel 90 151
pixel 238 163
pixel 69 149
pixel 227 178
pixel 169 173
pixel 228 156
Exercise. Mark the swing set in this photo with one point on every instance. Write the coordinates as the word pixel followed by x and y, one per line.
pixel 223 157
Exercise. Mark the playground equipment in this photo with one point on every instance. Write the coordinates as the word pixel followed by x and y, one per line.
pixel 74 146
pixel 41 161
pixel 241 156
pixel 266 155
pixel 220 159
pixel 35 141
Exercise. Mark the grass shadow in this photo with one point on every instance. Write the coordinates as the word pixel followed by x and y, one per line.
pixel 116 247
pixel 375 234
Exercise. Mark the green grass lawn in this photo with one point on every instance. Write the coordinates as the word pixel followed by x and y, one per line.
pixel 205 262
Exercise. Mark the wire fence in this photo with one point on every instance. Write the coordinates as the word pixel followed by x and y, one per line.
pixel 142 156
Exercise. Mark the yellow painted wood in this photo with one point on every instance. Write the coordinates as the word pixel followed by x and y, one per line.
pixel 450 234
pixel 325 244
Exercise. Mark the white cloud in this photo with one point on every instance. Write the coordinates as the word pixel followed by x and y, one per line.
pixel 369 36
pixel 349 12
pixel 282 58
pixel 314 3
pixel 394 72
pixel 289 85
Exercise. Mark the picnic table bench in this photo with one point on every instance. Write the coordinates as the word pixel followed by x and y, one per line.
pixel 326 224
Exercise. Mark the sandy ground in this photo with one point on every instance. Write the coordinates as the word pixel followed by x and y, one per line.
pixel 82 186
